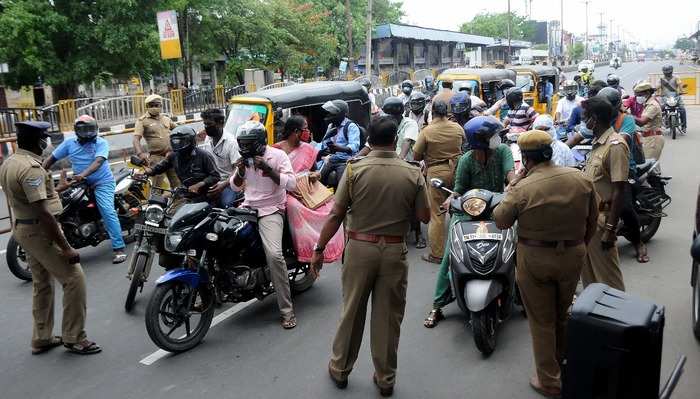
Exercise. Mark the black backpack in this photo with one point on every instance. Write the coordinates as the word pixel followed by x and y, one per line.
pixel 363 134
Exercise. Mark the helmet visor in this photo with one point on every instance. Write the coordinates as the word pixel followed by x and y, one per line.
pixel 180 143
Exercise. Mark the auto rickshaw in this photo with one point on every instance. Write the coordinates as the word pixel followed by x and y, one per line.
pixel 532 80
pixel 273 106
pixel 483 82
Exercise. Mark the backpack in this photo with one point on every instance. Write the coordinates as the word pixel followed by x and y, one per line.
pixel 363 134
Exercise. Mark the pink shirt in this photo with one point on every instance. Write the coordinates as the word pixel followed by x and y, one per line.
pixel 261 192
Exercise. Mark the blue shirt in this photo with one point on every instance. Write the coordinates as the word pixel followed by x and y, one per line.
pixel 574 119
pixel 82 156
pixel 352 140
pixel 548 89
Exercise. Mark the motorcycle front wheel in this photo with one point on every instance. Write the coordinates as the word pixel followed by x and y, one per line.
pixel 17 260
pixel 300 278
pixel 696 302
pixel 178 316
pixel 484 329
pixel 137 280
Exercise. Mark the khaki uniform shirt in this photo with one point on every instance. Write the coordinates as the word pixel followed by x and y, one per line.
pixel 608 163
pixel 156 131
pixel 26 182
pixel 652 110
pixel 381 193
pixel 552 203
pixel 439 142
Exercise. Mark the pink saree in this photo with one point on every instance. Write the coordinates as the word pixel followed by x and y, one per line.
pixel 305 224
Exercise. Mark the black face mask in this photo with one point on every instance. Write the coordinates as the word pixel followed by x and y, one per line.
pixel 334 120
pixel 570 96
pixel 213 131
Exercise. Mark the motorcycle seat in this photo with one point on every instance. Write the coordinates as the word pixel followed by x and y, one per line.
pixel 242 212
pixel 644 168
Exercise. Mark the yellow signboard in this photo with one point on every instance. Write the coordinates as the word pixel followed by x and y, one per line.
pixel 169 35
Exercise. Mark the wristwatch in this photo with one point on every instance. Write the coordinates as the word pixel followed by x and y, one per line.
pixel 318 249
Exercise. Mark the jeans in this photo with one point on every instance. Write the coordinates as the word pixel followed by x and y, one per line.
pixel 228 197
pixel 104 196
pixel 684 117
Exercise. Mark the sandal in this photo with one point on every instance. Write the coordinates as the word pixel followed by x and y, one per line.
pixel 433 318
pixel 289 323
pixel 642 256
pixel 52 343
pixel 119 257
pixel 544 391
pixel 431 259
pixel 420 243
pixel 83 347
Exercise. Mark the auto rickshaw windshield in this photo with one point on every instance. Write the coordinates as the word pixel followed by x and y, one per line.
pixel 458 85
pixel 524 82
pixel 241 113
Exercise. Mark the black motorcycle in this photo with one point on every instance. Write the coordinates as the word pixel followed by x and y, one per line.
pixel 223 261
pixel 650 200
pixel 81 221
pixel 482 265
pixel 671 114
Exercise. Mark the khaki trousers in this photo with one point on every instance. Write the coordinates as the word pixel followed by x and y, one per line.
pixel 379 270
pixel 46 262
pixel 652 146
pixel 436 228
pixel 157 181
pixel 271 229
pixel 602 266
pixel 547 278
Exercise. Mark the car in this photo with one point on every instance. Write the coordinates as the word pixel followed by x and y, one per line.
pixel 586 64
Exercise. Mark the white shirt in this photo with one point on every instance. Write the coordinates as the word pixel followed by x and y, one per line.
pixel 408 130
pixel 225 153
pixel 562 155
pixel 566 106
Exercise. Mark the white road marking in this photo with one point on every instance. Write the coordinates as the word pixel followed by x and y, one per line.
pixel 159 354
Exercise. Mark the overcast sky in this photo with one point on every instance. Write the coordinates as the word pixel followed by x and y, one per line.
pixel 652 23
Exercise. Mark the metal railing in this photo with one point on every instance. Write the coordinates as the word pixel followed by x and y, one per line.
pixel 234 91
pixel 118 110
pixel 10 116
pixel 276 85
pixel 396 77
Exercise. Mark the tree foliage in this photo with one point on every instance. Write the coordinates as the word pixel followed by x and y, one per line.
pixel 684 43
pixel 576 51
pixel 496 25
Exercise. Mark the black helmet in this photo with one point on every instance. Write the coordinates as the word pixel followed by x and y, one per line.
pixel 612 95
pixel 407 87
pixel 252 139
pixel 429 83
pixel 613 80
pixel 393 106
pixel 460 103
pixel 85 128
pixel 182 138
pixel 417 101
pixel 366 83
pixel 337 111
pixel 514 96
pixel 667 69
pixel 505 84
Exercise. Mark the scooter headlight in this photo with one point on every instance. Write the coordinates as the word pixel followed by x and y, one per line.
pixel 474 206
pixel 671 101
pixel 154 214
pixel 456 242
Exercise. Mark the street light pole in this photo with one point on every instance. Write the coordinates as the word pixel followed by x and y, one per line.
pixel 509 22
pixel 368 56
pixel 586 40
pixel 561 36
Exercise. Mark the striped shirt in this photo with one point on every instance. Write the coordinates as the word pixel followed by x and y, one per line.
pixel 522 117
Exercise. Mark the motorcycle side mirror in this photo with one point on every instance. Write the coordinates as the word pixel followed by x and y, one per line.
pixel 136 160
pixel 695 249
pixel 437 183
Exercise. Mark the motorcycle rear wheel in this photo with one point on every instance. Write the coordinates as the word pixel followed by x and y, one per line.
pixel 301 283
pixel 484 326
pixel 696 303
pixel 649 230
pixel 169 309
pixel 137 280
pixel 17 260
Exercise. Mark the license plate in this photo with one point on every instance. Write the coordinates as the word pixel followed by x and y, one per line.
pixel 150 229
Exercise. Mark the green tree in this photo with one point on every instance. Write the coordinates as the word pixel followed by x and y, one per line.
pixel 576 51
pixel 496 25
pixel 68 42
pixel 684 43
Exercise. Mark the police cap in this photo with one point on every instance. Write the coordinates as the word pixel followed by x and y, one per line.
pixel 32 128
pixel 534 140
pixel 154 98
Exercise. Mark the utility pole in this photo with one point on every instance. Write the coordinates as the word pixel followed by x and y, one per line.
pixel 561 27
pixel 610 34
pixel 586 39
pixel 348 22
pixel 368 57
pixel 507 60
pixel 601 27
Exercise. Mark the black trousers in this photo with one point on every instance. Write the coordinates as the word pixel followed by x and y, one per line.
pixel 629 215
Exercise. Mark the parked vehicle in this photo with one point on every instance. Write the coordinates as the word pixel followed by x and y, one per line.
pixel 650 200
pixel 81 220
pixel 671 114
pixel 615 62
pixel 482 264
pixel 532 80
pixel 223 261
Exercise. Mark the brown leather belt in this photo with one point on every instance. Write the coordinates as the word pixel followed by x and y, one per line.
pixel 548 244
pixel 375 238
pixel 650 133
pixel 26 221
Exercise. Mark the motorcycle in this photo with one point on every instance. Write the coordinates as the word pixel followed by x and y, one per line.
pixel 671 114
pixel 81 221
pixel 511 140
pixel 650 200
pixel 482 264
pixel 223 261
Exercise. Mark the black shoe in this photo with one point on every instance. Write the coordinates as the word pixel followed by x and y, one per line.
pixel 340 384
pixel 385 392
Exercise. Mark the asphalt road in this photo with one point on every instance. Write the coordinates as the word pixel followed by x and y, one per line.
pixel 248 355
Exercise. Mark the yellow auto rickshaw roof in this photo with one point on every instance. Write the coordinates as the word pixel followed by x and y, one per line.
pixel 306 94
pixel 480 74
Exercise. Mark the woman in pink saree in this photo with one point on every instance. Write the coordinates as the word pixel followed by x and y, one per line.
pixel 305 223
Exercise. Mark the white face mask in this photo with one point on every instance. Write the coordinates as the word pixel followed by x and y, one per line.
pixel 640 99
pixel 494 142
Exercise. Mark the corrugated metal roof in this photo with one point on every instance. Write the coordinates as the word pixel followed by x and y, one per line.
pixel 418 33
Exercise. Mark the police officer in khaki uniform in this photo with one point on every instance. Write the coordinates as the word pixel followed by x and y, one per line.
pixel 650 120
pixel 557 210
pixel 379 194
pixel 608 167
pixel 439 145
pixel 155 128
pixel 34 202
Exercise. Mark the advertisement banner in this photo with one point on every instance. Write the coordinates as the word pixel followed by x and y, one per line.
pixel 169 35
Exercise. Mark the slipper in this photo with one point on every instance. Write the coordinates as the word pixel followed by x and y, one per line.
pixel 289 323
pixel 420 243
pixel 431 259
pixel 119 257
pixel 642 256
pixel 83 347
pixel 54 342
pixel 546 392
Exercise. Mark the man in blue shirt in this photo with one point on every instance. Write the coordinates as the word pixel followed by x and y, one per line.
pixel 548 94
pixel 88 155
pixel 341 142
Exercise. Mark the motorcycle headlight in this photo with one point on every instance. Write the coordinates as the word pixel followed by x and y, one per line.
pixel 154 214
pixel 671 101
pixel 474 206
pixel 456 242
